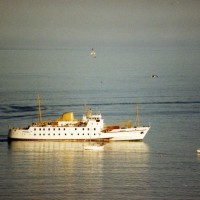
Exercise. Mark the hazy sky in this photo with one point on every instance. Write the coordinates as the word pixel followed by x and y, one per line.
pixel 57 23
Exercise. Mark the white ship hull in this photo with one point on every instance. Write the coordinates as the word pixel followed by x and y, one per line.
pixel 61 133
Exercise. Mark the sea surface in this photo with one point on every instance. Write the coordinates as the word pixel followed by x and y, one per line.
pixel 164 166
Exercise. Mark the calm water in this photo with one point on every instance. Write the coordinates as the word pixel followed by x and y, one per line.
pixel 164 166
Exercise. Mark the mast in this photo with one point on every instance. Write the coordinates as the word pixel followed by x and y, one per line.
pixel 88 112
pixel 39 111
pixel 137 119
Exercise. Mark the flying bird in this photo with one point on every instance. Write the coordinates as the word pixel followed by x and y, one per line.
pixel 154 76
pixel 93 53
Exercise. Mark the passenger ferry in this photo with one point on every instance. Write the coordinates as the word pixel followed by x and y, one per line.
pixel 90 127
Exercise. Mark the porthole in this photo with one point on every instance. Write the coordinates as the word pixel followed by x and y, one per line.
pixel 141 132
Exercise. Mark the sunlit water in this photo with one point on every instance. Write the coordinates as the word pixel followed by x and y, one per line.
pixel 164 166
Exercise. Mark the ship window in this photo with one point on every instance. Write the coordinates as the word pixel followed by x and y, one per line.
pixel 71 133
pixel 43 129
pixel 141 132
pixel 64 129
pixel 43 134
pixel 49 129
pixel 40 129
pixel 34 129
pixel 78 134
pixel 83 129
pixel 94 128
pixel 34 134
pixel 59 134
pixel 54 129
pixel 54 134
pixel 49 134
pixel 88 129
pixel 59 129
pixel 88 134
pixel 83 133
pixel 40 134
pixel 65 133
pixel 75 129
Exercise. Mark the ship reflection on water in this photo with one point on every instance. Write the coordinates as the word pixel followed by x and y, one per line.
pixel 73 147
pixel 72 154
pixel 65 169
